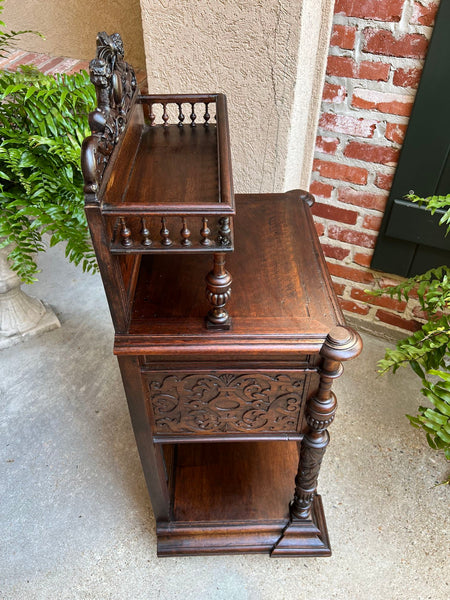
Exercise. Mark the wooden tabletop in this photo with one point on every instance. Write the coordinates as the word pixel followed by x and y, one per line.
pixel 282 296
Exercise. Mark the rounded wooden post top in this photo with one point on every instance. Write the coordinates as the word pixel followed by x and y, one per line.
pixel 342 343
pixel 302 195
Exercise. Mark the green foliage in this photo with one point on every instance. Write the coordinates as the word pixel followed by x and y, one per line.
pixel 427 351
pixel 43 121
pixel 424 350
pixel 432 289
pixel 436 421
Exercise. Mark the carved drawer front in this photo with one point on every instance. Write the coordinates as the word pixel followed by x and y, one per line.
pixel 217 402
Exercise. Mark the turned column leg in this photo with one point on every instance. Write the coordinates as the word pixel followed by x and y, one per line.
pixel 218 291
pixel 319 415
pixel 306 532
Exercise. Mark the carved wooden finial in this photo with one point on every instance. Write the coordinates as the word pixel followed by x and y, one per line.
pixel 115 86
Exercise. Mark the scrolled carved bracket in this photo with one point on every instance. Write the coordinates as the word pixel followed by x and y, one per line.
pixel 115 86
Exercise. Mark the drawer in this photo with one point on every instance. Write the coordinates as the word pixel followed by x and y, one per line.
pixel 228 403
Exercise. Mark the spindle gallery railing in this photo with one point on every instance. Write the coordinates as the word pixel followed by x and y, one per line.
pixel 155 234
pixel 167 109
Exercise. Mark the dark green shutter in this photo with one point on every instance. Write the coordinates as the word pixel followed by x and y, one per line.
pixel 410 240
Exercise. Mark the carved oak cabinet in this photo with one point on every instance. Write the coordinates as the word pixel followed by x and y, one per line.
pixel 231 413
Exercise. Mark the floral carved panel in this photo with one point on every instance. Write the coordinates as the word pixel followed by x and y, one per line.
pixel 226 402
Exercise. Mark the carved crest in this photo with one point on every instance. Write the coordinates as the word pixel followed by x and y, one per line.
pixel 115 85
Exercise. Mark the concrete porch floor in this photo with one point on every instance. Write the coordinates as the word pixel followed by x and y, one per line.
pixel 76 520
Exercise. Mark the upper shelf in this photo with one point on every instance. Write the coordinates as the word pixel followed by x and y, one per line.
pixel 175 161
pixel 178 162
pixel 157 167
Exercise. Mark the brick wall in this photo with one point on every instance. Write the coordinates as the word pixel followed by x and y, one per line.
pixel 375 61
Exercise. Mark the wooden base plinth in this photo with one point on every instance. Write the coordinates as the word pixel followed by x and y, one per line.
pixel 234 498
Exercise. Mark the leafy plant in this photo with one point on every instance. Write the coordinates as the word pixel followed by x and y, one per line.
pixel 427 351
pixel 43 121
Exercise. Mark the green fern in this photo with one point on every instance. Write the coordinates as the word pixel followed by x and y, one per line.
pixel 43 121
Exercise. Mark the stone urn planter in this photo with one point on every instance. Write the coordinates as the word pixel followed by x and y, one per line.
pixel 21 316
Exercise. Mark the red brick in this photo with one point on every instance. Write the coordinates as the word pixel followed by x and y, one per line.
pixel 63 66
pixel 407 77
pixel 327 145
pixel 341 66
pixel 334 213
pixel 384 181
pixel 352 236
pixel 52 66
pixel 379 154
pixel 320 228
pixel 27 59
pixel 335 252
pixel 339 288
pixel 81 65
pixel 395 104
pixel 344 66
pixel 395 132
pixel 343 37
pixel 392 319
pixel 372 222
pixel 385 282
pixel 383 301
pixel 350 273
pixel 424 15
pixel 349 125
pixel 341 172
pixel 11 57
pixel 362 259
pixel 383 41
pixel 375 71
pixel 334 93
pixel 353 307
pixel 380 10
pixel 41 60
pixel 421 314
pixel 363 199
pixel 323 190
pixel 13 60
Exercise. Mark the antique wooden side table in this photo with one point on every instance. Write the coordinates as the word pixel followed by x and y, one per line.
pixel 230 413
pixel 227 421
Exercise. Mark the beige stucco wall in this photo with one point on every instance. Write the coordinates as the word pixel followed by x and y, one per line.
pixel 71 26
pixel 267 56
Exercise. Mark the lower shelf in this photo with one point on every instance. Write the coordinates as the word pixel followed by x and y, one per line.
pixel 234 498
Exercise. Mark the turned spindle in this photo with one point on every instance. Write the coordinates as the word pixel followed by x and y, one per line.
pixel 180 115
pixel 146 241
pixel 193 115
pixel 218 292
pixel 125 234
pixel 165 116
pixel 185 234
pixel 165 240
pixel 206 116
pixel 205 233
